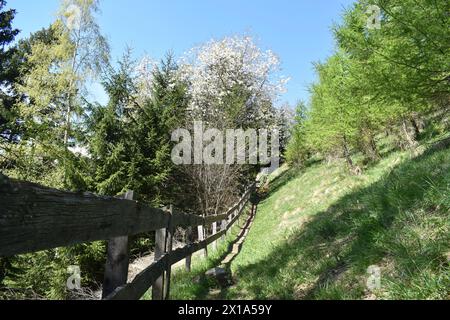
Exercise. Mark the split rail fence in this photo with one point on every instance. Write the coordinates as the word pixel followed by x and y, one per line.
pixel 35 218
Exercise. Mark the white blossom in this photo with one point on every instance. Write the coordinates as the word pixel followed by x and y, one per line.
pixel 216 68
pixel 144 76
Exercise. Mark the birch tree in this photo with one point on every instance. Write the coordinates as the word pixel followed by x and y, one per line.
pixel 89 56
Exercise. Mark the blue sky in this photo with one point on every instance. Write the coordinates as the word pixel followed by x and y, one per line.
pixel 298 31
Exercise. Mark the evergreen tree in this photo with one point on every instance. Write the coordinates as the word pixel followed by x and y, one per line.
pixel 40 112
pixel 8 71
pixel 131 144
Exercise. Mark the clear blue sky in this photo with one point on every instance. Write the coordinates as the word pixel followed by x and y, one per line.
pixel 297 30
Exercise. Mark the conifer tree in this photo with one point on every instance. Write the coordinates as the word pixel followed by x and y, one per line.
pixel 9 72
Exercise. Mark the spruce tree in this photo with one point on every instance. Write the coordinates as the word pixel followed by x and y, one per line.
pixel 9 71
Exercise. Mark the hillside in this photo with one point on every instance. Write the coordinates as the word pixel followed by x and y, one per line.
pixel 318 230
pixel 122 167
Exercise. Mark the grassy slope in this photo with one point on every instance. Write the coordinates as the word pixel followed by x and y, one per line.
pixel 319 230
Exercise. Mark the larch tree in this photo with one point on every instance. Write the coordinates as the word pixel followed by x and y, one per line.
pixel 90 53
pixel 44 85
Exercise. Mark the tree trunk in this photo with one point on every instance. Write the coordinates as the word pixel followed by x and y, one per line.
pixel 69 96
pixel 416 127
pixel 410 140
pixel 67 125
pixel 375 155
pixel 347 156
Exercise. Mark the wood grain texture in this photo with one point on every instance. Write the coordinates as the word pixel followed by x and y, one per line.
pixel 117 260
pixel 160 251
pixel 189 240
pixel 34 218
pixel 169 245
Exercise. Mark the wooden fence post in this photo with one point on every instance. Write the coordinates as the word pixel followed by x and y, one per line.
pixel 239 217
pixel 223 227
pixel 201 237
pixel 169 245
pixel 241 206
pixel 117 262
pixel 160 249
pixel 230 218
pixel 189 241
pixel 214 231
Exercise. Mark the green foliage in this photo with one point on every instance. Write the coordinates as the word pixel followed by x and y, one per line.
pixel 319 229
pixel 45 87
pixel 39 155
pixel 380 78
pixel 372 95
pixel 130 142
pixel 44 274
pixel 8 71
pixel 297 151
pixel 40 75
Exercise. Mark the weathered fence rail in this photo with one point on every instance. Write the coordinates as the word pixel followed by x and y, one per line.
pixel 35 218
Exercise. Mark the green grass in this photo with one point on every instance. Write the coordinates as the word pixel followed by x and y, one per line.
pixel 318 230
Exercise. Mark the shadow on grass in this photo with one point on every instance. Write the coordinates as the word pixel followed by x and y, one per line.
pixel 328 258
pixel 234 249
pixel 201 285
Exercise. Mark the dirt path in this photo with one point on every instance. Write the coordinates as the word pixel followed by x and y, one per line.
pixel 140 264
pixel 236 246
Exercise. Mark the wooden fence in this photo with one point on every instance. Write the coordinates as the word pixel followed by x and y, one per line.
pixel 34 218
